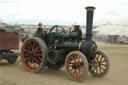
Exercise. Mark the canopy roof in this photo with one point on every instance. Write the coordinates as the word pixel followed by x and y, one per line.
pixel 112 30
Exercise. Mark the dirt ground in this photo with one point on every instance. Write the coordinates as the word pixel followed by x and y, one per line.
pixel 118 74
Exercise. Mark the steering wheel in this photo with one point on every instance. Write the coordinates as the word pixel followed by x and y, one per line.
pixel 59 30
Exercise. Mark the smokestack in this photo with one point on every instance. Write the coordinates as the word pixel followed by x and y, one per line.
pixel 89 22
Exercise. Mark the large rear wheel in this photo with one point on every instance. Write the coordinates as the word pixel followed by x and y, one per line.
pixel 102 67
pixel 76 66
pixel 33 53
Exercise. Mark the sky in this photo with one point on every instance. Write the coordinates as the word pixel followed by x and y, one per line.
pixel 63 12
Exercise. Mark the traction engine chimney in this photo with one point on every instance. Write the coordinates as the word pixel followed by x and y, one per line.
pixel 89 22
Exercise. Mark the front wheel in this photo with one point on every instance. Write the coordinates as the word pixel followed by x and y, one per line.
pixel 76 66
pixel 103 66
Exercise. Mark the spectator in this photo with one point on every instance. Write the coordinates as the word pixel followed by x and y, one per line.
pixel 40 29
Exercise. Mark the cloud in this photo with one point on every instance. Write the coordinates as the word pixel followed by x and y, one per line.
pixel 9 1
pixel 64 11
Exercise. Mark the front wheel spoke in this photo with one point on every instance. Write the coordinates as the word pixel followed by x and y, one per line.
pixel 77 73
pixel 94 69
pixel 78 59
pixel 97 57
pixel 74 72
pixel 102 68
pixel 74 60
pixel 71 69
pixel 97 70
pixel 101 58
pixel 81 70
pixel 81 63
pixel 103 64
pixel 69 65
pixel 103 61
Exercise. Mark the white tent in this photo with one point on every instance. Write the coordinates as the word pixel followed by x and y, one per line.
pixel 112 30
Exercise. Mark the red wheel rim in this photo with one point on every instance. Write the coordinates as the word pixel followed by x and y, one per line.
pixel 102 64
pixel 31 55
pixel 75 66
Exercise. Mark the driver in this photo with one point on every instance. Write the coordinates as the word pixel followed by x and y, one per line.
pixel 78 31
pixel 40 29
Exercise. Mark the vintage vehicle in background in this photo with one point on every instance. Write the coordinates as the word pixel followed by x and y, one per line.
pixel 9 41
pixel 24 36
pixel 57 48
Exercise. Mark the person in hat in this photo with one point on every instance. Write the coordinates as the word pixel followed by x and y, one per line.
pixel 40 29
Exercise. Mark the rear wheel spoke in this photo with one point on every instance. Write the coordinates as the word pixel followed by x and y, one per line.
pixel 26 59
pixel 102 68
pixel 30 45
pixel 37 48
pixel 40 58
pixel 38 55
pixel 37 60
pixel 25 50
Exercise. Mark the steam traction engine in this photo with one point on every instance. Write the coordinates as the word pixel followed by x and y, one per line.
pixel 57 48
